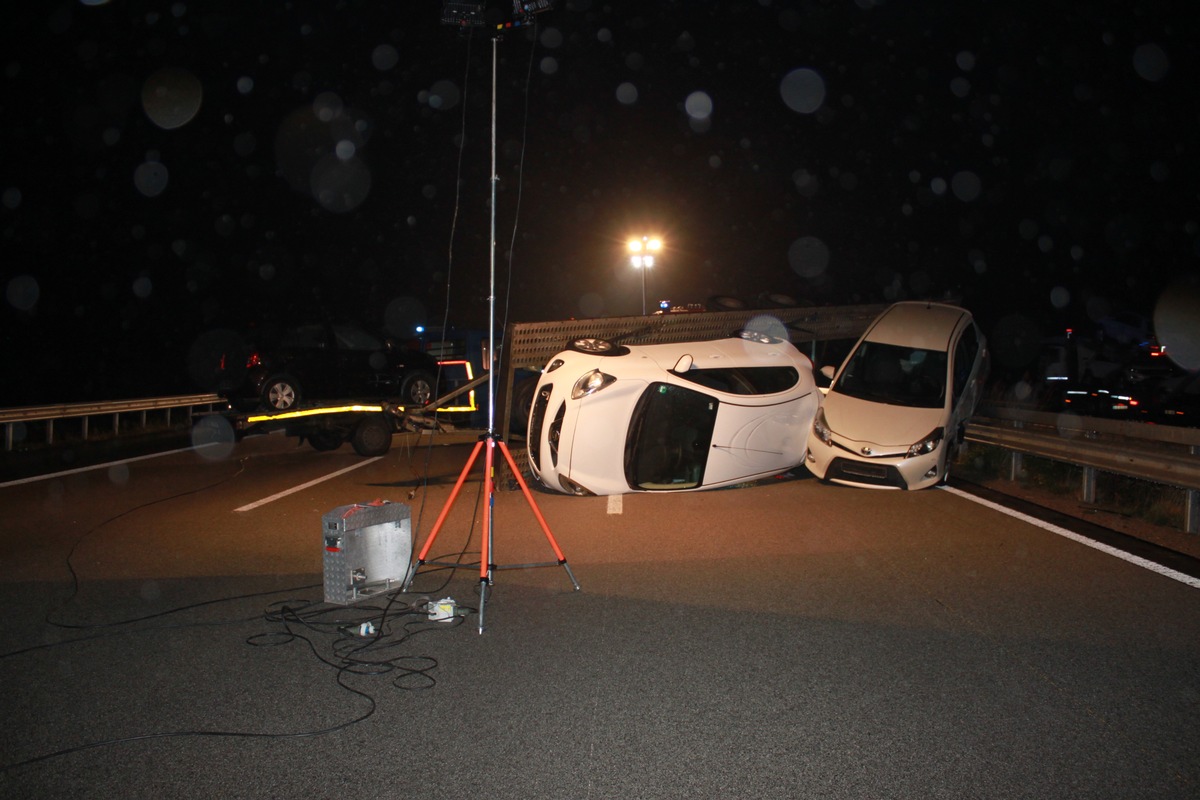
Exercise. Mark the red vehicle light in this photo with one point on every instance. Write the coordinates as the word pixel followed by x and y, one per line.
pixel 253 360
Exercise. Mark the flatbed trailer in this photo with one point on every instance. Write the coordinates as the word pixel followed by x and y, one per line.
pixel 368 427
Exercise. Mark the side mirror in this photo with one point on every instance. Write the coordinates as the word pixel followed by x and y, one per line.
pixel 828 371
pixel 683 364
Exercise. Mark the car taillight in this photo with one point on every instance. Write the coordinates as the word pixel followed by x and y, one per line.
pixel 253 360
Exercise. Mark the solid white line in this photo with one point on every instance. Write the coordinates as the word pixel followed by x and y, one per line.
pixel 303 486
pixel 616 503
pixel 1075 537
pixel 105 465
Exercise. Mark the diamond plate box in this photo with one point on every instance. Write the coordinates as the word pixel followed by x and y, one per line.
pixel 367 550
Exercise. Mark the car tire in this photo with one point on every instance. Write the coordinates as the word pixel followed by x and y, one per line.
pixel 596 347
pixel 522 399
pixel 281 393
pixel 416 390
pixel 323 441
pixel 372 436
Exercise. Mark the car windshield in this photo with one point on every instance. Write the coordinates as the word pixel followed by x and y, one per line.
pixel 669 436
pixel 903 376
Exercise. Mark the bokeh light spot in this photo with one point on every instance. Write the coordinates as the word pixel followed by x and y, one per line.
pixel 171 97
pixel 803 90
pixel 150 178
pixel 1177 321
pixel 808 256
pixel 698 105
pixel 22 292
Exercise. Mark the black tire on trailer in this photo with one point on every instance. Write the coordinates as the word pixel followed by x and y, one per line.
pixel 324 440
pixel 372 436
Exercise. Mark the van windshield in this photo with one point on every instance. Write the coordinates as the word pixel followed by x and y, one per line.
pixel 901 376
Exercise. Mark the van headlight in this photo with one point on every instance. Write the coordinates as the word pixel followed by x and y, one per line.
pixel 821 428
pixel 591 383
pixel 928 444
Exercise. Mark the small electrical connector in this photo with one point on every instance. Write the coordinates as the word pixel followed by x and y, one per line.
pixel 444 609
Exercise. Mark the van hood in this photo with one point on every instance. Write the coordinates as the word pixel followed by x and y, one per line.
pixel 879 424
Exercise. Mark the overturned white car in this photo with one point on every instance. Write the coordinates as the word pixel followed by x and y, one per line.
pixel 611 419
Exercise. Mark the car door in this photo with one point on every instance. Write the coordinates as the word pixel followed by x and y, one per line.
pixel 362 365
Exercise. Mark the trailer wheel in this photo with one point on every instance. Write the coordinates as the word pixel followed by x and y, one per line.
pixel 372 436
pixel 324 440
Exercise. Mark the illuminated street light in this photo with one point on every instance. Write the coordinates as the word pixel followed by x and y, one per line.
pixel 641 256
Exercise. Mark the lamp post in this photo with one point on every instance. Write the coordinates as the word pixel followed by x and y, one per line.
pixel 641 256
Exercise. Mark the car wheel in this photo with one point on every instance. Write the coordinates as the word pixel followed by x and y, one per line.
pixel 372 436
pixel 323 441
pixel 522 399
pixel 596 347
pixel 417 389
pixel 281 393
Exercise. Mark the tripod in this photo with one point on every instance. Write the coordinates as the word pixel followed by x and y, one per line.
pixel 486 567
pixel 492 441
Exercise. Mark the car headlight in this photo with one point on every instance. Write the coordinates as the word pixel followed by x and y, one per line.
pixel 591 383
pixel 821 428
pixel 928 444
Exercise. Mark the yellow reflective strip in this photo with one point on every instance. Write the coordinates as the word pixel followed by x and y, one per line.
pixel 309 412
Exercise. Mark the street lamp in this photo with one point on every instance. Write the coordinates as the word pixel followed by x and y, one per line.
pixel 641 256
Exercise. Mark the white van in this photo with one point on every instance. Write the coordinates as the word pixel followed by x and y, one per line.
pixel 897 408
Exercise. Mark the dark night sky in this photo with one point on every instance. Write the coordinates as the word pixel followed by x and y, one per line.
pixel 171 168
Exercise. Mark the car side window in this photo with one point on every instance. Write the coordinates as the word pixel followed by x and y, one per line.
pixel 964 358
pixel 350 338
pixel 744 380
pixel 308 336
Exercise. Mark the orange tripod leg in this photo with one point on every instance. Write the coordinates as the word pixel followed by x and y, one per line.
pixel 437 526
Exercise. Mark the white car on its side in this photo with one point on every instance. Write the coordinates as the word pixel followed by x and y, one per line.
pixel 611 419
pixel 897 408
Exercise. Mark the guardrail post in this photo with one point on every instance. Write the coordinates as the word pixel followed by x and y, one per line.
pixel 1191 503
pixel 1015 463
pixel 50 430
pixel 1089 484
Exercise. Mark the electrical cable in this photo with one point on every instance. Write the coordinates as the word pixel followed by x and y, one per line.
pixel 351 653
pixel 74 547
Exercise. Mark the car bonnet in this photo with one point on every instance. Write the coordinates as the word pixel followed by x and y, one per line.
pixel 879 423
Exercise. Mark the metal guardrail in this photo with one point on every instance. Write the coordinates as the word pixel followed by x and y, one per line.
pixel 15 419
pixel 1164 455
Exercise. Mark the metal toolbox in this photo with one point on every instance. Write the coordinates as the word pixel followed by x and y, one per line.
pixel 367 550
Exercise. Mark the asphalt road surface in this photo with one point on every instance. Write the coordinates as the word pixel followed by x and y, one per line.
pixel 166 637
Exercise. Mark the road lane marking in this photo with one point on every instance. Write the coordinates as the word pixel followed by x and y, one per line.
pixel 303 486
pixel 92 467
pixel 1104 548
pixel 615 503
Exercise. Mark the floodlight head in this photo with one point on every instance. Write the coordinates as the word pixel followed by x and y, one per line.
pixel 526 9
pixel 463 15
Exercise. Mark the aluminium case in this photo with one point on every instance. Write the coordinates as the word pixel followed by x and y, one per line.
pixel 367 550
